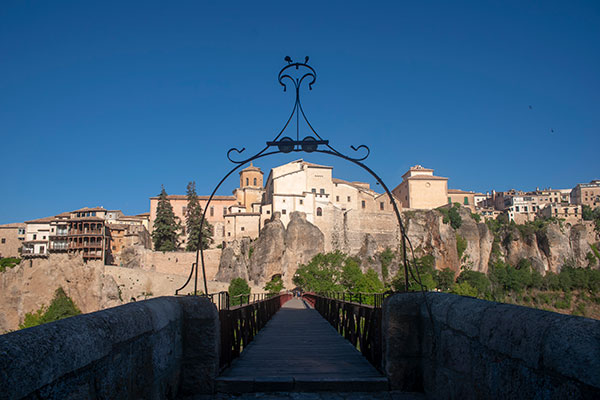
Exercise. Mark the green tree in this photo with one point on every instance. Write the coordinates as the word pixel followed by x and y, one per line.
pixel 591 259
pixel 164 233
pixel 335 272
pixel 275 285
pixel 61 307
pixel 465 289
pixel 238 289
pixel 386 258
pixel 193 220
pixel 477 280
pixel 587 213
pixel 445 279
pixel 426 272
pixel 321 274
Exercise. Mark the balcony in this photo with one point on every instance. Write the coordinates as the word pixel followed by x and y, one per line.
pixel 76 232
pixel 77 246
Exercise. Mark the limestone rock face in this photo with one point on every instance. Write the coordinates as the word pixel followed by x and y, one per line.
pixel 277 251
pixel 303 241
pixel 267 257
pixel 32 284
pixel 429 235
pixel 479 241
pixel 579 243
pixel 234 261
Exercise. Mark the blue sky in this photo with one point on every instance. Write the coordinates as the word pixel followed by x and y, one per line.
pixel 102 102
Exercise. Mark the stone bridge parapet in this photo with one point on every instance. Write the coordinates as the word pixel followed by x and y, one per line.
pixel 477 349
pixel 154 349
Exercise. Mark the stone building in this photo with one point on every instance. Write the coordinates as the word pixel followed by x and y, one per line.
pixel 11 239
pixel 421 190
pixel 37 237
pixel 571 213
pixel 587 194
pixel 87 234
pixel 215 215
pixel 462 197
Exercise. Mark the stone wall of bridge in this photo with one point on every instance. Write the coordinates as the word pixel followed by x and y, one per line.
pixel 159 348
pixel 459 347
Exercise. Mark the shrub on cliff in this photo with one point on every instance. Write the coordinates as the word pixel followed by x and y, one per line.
pixel 451 215
pixel 275 285
pixel 239 291
pixel 61 307
pixel 9 262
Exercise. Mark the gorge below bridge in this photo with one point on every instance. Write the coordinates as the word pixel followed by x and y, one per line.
pixel 413 345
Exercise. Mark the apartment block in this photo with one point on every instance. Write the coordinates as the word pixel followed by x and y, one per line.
pixel 587 194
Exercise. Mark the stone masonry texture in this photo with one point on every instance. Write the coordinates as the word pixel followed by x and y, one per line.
pixel 476 349
pixel 147 349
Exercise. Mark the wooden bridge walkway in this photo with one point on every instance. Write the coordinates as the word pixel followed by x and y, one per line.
pixel 298 350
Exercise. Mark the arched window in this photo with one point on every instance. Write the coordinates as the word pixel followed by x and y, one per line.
pixel 319 211
pixel 254 181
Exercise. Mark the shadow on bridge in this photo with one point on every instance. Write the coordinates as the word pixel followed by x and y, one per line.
pixel 299 350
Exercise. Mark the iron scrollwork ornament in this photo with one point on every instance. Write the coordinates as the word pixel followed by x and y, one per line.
pixel 295 74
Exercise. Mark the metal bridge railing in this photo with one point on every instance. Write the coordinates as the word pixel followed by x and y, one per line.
pixel 357 317
pixel 240 323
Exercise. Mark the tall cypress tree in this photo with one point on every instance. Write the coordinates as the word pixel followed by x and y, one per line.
pixel 164 233
pixel 193 218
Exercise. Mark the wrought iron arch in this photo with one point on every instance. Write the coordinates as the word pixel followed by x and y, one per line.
pixel 296 73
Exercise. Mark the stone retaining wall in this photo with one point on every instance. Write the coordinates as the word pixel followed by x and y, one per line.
pixel 478 349
pixel 154 349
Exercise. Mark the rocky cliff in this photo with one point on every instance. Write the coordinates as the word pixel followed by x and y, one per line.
pixel 279 250
pixel 31 284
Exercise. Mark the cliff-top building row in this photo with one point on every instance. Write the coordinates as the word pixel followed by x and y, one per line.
pixel 94 233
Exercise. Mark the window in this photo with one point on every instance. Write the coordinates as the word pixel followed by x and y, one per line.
pixel 301 201
pixel 284 200
pixel 314 190
pixel 3 240
pixel 381 205
pixel 34 236
pixel 254 181
pixel 93 213
pixel 224 210
pixel 348 199
pixel 525 208
pixel 242 229
pixel 449 200
pixel 517 208
pixel 183 210
pixel 337 198
pixel 322 191
pixel 283 211
pixel 268 212
pixel 247 181
pixel 363 204
pixel 228 233
pixel 114 247
pixel 319 211
pixel 212 211
pixel 466 201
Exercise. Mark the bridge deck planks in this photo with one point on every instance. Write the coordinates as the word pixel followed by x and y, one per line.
pixel 298 347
